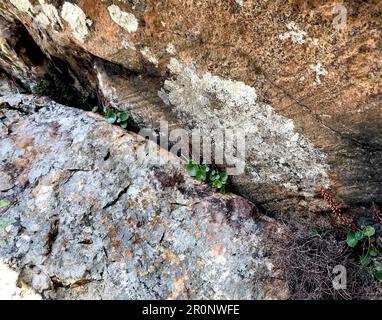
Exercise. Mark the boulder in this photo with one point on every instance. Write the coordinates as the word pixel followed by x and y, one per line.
pixel 91 212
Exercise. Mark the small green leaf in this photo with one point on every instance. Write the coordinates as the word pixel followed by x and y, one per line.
pixel 124 125
pixel 378 266
pixel 95 109
pixel 191 168
pixel 218 184
pixel 224 176
pixel 368 231
pixel 201 175
pixel 373 252
pixel 108 112
pixel 378 271
pixel 4 204
pixel 359 235
pixel 112 118
pixel 351 239
pixel 122 116
pixel 365 259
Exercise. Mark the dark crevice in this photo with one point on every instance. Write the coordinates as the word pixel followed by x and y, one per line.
pixel 107 156
pixel 114 201
pixel 6 105
pixel 59 85
pixel 26 48
pixel 52 235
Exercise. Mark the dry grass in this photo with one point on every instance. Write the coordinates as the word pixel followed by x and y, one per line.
pixel 308 261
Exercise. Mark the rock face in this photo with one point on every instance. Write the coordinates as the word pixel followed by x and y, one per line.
pixel 10 289
pixel 303 78
pixel 92 214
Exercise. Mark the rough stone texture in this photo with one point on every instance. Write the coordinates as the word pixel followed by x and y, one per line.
pixel 10 289
pixel 19 54
pixel 92 215
pixel 326 81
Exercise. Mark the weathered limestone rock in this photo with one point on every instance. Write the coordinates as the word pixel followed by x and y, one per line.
pixel 10 289
pixel 313 67
pixel 93 215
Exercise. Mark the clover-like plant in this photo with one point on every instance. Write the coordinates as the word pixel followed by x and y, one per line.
pixel 202 172
pixel 112 117
pixel 370 257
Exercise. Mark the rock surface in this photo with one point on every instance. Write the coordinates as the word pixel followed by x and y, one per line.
pixel 92 215
pixel 310 69
pixel 10 289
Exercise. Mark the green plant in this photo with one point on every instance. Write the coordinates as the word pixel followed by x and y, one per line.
pixel 202 172
pixel 364 240
pixel 119 118
pixel 4 203
pixel 42 87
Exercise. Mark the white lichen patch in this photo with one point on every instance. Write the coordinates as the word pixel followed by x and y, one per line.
pixel 319 71
pixel 128 45
pixel 298 36
pixel 275 151
pixel 149 56
pixel 22 5
pixel 171 49
pixel 77 20
pixel 48 15
pixel 125 20
pixel 294 33
pixel 314 42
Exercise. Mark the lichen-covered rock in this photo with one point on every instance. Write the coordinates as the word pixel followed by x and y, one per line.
pixel 92 214
pixel 10 288
pixel 315 68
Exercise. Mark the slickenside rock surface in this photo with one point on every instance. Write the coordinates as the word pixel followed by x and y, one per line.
pixel 93 216
pixel 303 78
